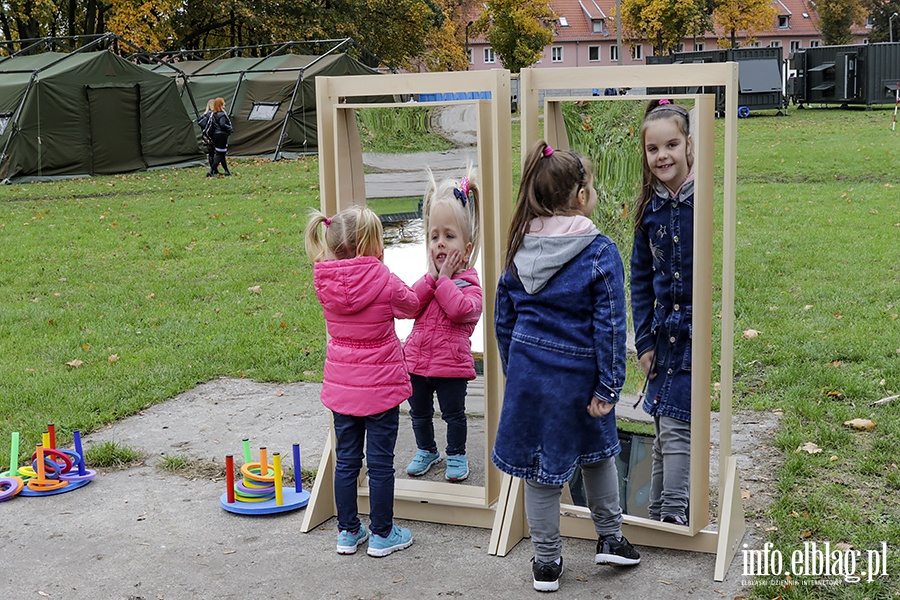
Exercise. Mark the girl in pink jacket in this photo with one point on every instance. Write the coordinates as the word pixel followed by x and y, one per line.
pixel 365 377
pixel 439 349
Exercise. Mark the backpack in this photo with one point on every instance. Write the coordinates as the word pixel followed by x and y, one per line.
pixel 207 131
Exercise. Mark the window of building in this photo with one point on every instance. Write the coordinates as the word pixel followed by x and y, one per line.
pixel 594 53
pixel 563 22
pixel 556 54
pixel 753 45
pixel 599 25
pixel 263 111
pixel 784 21
pixel 489 56
pixel 637 52
pixel 470 56
pixel 796 45
pixel 775 44
pixel 813 43
pixel 614 53
pixel 699 46
pixel 870 22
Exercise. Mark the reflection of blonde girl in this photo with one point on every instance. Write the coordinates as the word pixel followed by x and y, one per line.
pixel 206 127
pixel 560 323
pixel 661 291
pixel 439 350
pixel 365 378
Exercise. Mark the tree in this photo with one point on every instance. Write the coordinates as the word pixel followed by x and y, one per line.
pixel 664 23
pixel 749 16
pixel 836 17
pixel 446 43
pixel 881 11
pixel 517 31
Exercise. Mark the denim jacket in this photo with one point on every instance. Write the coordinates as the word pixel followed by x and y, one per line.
pixel 661 294
pixel 561 341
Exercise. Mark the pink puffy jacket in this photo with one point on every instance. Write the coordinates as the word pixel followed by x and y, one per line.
pixel 439 344
pixel 365 373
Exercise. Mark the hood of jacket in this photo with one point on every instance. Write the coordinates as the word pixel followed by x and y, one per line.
pixel 348 286
pixel 546 251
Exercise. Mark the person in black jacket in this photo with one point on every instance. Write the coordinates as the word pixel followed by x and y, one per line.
pixel 220 128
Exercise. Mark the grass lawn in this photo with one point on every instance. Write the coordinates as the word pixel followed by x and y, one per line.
pixel 120 292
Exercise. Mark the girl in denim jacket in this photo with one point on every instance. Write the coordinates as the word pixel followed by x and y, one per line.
pixel 365 378
pixel 560 324
pixel 661 291
pixel 439 349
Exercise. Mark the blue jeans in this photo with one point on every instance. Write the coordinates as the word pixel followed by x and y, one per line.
pixel 451 393
pixel 379 432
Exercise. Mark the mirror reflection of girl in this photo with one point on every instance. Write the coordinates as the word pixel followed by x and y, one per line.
pixel 439 348
pixel 661 293
pixel 365 378
pixel 560 324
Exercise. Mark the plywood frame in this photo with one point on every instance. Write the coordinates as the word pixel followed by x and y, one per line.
pixel 510 524
pixel 341 183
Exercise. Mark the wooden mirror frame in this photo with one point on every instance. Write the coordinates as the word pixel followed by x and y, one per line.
pixel 341 184
pixel 511 525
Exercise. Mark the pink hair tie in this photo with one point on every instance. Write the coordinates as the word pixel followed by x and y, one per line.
pixel 664 101
pixel 464 186
pixel 548 150
pixel 327 221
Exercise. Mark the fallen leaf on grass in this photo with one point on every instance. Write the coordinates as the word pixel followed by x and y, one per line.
pixel 749 334
pixel 254 288
pixel 808 447
pixel 886 400
pixel 844 546
pixel 113 358
pixel 862 424
pixel 75 363
pixel 806 534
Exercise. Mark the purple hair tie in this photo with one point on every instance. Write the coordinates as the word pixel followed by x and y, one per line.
pixel 548 150
pixel 327 221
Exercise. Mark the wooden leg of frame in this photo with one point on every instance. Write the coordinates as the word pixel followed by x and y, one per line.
pixel 731 520
pixel 321 505
pixel 510 524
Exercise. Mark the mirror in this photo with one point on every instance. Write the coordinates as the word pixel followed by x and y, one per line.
pixel 443 138
pixel 607 131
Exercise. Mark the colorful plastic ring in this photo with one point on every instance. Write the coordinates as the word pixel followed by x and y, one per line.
pixel 13 486
pixel 48 452
pixel 36 486
pixel 255 491
pixel 74 476
pixel 50 465
pixel 73 456
pixel 27 472
pixel 247 471
pixel 244 498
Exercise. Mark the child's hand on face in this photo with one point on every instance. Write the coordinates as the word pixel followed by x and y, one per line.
pixel 452 264
pixel 646 361
pixel 598 408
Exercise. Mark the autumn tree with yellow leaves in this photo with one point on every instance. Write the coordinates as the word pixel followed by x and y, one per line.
pixel 748 16
pixel 664 23
pixel 517 31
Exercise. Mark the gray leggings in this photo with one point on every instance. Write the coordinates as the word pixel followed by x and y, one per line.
pixel 601 486
pixel 671 472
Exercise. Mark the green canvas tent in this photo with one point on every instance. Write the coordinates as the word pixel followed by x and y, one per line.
pixel 89 113
pixel 271 100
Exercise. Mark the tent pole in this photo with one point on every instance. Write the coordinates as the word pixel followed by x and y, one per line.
pixel 290 111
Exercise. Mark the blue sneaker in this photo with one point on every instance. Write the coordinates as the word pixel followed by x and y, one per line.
pixel 422 462
pixel 457 467
pixel 347 542
pixel 399 539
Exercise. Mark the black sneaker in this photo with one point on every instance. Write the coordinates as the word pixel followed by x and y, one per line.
pixel 546 575
pixel 612 551
pixel 676 519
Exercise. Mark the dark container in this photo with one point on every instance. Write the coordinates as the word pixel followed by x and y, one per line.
pixel 864 74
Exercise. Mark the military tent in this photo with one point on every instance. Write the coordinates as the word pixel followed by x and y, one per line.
pixel 88 113
pixel 271 100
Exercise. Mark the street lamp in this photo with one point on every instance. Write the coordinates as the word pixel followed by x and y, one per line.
pixel 891 27
pixel 468 60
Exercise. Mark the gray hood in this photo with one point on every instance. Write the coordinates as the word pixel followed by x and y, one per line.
pixel 541 256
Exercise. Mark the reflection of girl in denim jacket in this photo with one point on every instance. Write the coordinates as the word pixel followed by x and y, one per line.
pixel 560 324
pixel 661 288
